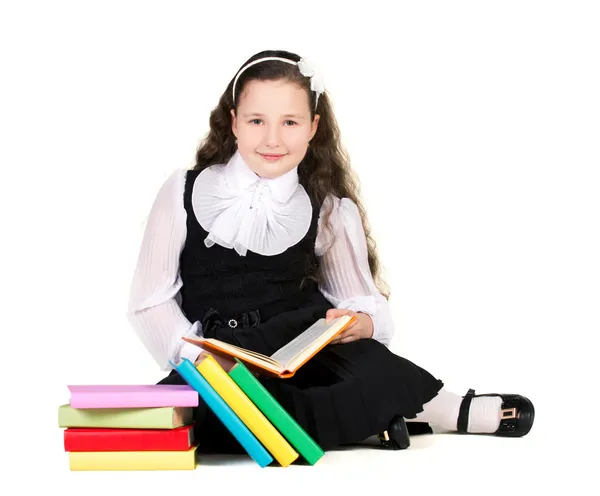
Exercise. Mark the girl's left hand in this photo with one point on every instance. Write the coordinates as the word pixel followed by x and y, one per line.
pixel 362 328
pixel 225 362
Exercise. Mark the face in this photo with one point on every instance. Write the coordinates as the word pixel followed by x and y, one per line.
pixel 273 126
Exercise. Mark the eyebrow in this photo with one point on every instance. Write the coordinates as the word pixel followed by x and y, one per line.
pixel 295 116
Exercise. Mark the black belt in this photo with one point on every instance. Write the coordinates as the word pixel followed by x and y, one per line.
pixel 213 320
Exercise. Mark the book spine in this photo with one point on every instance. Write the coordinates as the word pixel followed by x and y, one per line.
pixel 180 439
pixel 247 411
pixel 133 460
pixel 128 418
pixel 222 410
pixel 133 400
pixel 279 417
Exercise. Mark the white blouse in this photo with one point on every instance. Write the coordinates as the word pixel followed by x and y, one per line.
pixel 242 211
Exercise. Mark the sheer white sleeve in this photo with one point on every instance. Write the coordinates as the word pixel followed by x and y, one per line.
pixel 348 282
pixel 154 311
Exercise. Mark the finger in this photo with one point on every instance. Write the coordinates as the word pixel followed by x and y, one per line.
pixel 201 357
pixel 334 313
pixel 341 336
pixel 226 363
pixel 331 314
pixel 347 339
pixel 348 312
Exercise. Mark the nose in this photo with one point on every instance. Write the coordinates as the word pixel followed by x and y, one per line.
pixel 272 137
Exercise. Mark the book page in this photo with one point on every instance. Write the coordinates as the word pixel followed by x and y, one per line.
pixel 310 339
pixel 182 416
pixel 234 350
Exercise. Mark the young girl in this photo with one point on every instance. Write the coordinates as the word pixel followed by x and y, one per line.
pixel 265 235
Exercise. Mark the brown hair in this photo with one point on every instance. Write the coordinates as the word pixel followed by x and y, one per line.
pixel 325 168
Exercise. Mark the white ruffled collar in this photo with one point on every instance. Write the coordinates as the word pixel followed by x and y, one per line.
pixel 243 211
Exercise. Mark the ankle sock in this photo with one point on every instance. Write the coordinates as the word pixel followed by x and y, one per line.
pixel 442 411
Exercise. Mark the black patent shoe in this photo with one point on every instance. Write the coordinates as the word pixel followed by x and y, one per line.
pixel 517 414
pixel 396 437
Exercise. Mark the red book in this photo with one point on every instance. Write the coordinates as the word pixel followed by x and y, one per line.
pixel 105 439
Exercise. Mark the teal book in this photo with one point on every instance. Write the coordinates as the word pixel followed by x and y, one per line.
pixel 276 414
pixel 223 411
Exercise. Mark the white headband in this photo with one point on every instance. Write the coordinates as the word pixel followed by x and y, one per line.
pixel 305 68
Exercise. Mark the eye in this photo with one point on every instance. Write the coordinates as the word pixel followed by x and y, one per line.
pixel 294 123
pixel 254 120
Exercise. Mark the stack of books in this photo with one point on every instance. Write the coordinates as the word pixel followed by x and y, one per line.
pixel 123 427
pixel 149 427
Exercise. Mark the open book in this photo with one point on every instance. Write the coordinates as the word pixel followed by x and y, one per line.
pixel 287 360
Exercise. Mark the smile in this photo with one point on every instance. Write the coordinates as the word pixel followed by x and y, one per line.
pixel 271 158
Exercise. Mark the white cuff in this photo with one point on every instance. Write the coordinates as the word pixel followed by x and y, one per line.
pixel 365 304
pixel 378 308
pixel 383 325
pixel 188 350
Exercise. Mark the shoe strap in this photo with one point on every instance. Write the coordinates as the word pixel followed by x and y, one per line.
pixel 463 412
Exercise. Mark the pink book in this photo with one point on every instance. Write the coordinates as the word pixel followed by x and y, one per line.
pixel 139 396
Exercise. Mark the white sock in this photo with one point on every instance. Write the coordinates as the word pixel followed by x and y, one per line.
pixel 442 411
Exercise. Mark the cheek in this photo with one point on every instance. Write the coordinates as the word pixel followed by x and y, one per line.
pixel 249 134
pixel 297 141
pixel 248 143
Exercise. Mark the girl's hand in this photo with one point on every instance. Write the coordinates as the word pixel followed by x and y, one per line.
pixel 362 328
pixel 225 362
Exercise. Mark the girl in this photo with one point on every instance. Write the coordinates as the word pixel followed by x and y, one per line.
pixel 265 235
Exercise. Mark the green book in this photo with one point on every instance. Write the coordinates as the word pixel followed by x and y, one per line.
pixel 278 416
pixel 168 417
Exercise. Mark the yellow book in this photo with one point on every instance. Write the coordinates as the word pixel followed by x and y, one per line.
pixel 133 460
pixel 247 411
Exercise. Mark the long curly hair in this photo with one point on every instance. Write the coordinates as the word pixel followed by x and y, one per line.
pixel 324 170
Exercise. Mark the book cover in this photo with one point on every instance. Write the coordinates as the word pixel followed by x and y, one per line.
pixel 133 460
pixel 287 360
pixel 107 439
pixel 132 396
pixel 276 414
pixel 223 411
pixel 247 411
pixel 125 418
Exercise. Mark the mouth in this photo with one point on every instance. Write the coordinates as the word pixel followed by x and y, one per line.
pixel 272 157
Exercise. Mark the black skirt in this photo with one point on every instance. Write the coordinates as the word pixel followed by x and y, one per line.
pixel 343 395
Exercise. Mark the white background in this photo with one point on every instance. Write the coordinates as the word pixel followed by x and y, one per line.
pixel 474 128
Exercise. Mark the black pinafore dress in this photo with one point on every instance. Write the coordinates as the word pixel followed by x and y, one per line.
pixel 344 394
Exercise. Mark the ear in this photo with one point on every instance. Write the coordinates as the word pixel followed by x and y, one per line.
pixel 314 126
pixel 233 122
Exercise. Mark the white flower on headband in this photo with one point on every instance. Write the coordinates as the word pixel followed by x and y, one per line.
pixel 308 69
